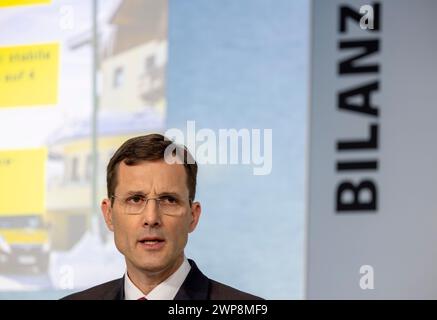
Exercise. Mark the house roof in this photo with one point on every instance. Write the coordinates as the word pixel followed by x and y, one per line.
pixel 137 22
pixel 110 124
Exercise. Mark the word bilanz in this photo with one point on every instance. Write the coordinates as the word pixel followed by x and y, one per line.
pixel 356 192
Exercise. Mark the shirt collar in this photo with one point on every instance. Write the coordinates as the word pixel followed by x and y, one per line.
pixel 166 290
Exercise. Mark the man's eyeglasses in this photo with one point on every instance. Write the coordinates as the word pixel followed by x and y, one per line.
pixel 167 204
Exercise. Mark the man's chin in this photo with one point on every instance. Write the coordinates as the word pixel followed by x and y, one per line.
pixel 153 262
pixel 157 264
pixel 154 267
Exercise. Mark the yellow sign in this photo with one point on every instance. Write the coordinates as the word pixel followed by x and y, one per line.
pixel 22 181
pixel 29 75
pixel 8 3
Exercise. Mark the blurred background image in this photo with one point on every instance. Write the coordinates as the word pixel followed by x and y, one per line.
pixel 78 78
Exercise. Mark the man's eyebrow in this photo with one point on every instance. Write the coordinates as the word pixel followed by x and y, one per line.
pixel 136 193
pixel 169 193
pixel 160 194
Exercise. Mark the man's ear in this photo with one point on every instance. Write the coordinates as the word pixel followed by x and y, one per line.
pixel 196 210
pixel 106 208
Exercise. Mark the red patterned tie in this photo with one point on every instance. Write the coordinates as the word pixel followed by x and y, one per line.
pixel 142 298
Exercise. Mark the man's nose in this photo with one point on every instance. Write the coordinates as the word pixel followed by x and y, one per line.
pixel 151 215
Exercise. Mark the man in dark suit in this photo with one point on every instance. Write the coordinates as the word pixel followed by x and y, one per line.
pixel 151 184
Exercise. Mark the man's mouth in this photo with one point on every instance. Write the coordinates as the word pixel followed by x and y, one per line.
pixel 152 242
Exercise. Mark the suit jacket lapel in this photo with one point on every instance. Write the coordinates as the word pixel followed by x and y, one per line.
pixel 195 286
pixel 116 292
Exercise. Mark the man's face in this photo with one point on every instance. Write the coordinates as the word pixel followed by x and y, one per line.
pixel 151 179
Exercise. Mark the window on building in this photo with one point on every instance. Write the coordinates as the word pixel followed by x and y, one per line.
pixel 118 77
pixel 150 63
pixel 89 168
pixel 74 169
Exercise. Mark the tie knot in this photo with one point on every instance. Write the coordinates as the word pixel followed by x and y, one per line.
pixel 142 298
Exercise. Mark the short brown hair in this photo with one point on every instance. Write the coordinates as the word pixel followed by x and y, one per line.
pixel 149 148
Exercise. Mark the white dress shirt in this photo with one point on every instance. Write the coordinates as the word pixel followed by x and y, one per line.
pixel 166 290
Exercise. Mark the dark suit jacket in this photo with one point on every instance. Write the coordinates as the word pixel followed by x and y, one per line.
pixel 195 287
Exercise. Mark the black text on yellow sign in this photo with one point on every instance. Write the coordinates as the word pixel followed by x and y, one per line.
pixel 29 75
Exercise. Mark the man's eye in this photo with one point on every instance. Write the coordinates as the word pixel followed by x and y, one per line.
pixel 168 200
pixel 135 199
